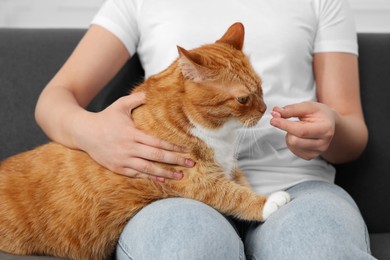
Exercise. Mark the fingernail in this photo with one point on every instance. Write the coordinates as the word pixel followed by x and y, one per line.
pixel 160 179
pixel 189 162
pixel 186 150
pixel 177 175
pixel 183 149
pixel 274 123
pixel 276 114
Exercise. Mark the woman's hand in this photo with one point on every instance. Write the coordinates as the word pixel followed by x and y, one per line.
pixel 112 140
pixel 109 136
pixel 312 134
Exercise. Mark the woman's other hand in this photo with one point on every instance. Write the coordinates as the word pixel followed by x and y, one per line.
pixel 310 135
pixel 112 140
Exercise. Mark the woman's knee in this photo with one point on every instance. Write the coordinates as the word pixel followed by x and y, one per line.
pixel 179 228
pixel 321 222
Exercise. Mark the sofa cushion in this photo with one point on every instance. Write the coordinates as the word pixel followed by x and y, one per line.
pixel 380 245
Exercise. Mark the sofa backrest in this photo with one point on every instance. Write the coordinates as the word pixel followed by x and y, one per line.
pixel 29 58
pixel 368 178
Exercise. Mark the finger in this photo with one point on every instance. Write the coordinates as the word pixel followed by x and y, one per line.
pixel 131 101
pixel 163 156
pixel 142 167
pixel 275 114
pixel 158 143
pixel 310 145
pixel 295 110
pixel 304 154
pixel 298 128
pixel 134 174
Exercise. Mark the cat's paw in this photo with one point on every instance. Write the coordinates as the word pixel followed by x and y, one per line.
pixel 274 202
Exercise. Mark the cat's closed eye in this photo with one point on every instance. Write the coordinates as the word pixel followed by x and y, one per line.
pixel 243 100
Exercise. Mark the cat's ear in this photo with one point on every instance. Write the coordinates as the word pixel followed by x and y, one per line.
pixel 234 36
pixel 190 66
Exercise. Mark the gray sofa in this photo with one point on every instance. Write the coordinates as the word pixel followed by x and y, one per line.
pixel 30 57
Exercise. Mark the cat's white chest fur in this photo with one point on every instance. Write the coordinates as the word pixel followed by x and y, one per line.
pixel 222 141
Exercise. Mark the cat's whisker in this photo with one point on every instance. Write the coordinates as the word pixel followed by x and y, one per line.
pixel 240 138
pixel 248 128
pixel 204 118
pixel 252 152
pixel 255 149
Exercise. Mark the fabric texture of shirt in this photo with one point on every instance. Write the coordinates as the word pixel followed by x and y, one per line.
pixel 281 37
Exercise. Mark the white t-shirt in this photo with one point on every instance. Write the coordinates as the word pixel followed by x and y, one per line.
pixel 281 37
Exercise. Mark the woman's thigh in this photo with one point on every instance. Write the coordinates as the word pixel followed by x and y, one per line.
pixel 321 222
pixel 179 228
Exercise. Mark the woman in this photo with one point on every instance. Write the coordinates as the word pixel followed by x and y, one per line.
pixel 306 54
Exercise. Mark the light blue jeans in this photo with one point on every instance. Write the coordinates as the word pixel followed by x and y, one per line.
pixel 321 222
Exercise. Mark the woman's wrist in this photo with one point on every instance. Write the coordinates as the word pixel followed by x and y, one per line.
pixel 349 141
pixel 80 128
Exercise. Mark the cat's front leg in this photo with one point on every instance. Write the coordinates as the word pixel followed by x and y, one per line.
pixel 239 177
pixel 273 202
pixel 229 197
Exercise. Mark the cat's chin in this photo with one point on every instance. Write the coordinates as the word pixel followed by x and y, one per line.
pixel 251 122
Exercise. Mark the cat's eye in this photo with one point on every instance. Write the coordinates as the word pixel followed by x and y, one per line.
pixel 243 100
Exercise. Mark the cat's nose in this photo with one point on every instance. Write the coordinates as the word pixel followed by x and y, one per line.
pixel 263 108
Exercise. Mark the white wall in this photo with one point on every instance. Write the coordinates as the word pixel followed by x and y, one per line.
pixel 47 13
pixel 370 15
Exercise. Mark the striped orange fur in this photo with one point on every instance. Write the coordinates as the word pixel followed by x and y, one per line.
pixel 58 201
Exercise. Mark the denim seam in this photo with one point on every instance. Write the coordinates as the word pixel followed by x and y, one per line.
pixel 124 250
pixel 251 257
pixel 240 246
pixel 368 243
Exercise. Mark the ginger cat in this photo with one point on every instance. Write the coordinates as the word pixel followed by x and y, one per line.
pixel 58 201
